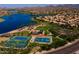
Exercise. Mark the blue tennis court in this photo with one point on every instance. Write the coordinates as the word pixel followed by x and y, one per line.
pixel 21 38
pixel 46 40
pixel 18 41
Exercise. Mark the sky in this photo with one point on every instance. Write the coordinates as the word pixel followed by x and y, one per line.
pixel 20 5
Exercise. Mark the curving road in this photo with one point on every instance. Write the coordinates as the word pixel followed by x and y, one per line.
pixel 67 50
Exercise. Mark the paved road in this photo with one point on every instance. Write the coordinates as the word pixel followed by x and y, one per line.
pixel 69 50
pixel 76 52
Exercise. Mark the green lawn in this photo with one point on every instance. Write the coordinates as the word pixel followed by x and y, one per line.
pixel 42 28
pixel 22 33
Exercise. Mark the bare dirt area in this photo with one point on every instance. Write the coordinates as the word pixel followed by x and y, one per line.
pixel 3 38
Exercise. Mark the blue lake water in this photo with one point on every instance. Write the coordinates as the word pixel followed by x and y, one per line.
pixel 14 21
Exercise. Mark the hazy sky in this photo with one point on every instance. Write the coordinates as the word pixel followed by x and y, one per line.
pixel 20 5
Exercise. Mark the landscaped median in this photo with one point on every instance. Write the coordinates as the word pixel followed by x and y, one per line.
pixel 66 49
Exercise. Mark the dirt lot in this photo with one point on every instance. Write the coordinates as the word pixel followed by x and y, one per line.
pixel 3 38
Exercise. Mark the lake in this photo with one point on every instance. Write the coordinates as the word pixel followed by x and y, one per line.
pixel 14 21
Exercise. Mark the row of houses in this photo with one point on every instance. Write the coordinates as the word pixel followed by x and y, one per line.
pixel 72 20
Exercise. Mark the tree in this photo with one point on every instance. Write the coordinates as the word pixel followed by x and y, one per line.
pixel 57 42
pixel 54 29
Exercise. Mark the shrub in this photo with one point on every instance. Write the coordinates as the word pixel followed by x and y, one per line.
pixel 69 38
pixel 31 45
pixel 45 46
